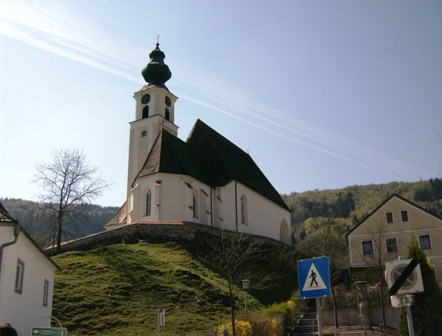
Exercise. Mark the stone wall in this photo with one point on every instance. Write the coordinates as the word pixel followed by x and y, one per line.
pixel 133 233
pixel 350 316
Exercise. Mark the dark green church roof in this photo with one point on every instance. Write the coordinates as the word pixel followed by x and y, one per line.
pixel 210 158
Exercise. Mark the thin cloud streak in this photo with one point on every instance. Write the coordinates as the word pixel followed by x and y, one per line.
pixel 291 139
pixel 303 133
pixel 53 30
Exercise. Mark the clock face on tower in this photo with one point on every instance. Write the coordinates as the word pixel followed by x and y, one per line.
pixel 167 101
pixel 145 99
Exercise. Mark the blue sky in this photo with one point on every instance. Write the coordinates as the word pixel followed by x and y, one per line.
pixel 322 94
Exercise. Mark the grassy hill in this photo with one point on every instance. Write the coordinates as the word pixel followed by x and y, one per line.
pixel 118 289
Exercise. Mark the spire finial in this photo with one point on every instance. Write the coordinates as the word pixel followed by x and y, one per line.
pixel 156 72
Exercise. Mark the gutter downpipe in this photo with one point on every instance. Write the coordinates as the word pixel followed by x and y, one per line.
pixel 2 247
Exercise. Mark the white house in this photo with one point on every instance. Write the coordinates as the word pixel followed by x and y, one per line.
pixel 206 179
pixel 26 277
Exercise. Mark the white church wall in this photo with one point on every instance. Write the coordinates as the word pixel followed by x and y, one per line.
pixel 172 199
pixel 228 207
pixel 180 190
pixel 263 217
pixel 23 310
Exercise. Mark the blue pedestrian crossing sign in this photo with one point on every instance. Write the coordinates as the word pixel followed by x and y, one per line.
pixel 314 277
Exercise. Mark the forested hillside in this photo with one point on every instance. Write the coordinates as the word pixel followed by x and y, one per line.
pixel 343 208
pixel 340 208
pixel 88 218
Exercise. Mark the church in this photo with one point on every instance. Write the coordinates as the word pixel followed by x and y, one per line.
pixel 205 180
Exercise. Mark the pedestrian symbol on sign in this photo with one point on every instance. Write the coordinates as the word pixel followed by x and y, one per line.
pixel 313 276
pixel 314 280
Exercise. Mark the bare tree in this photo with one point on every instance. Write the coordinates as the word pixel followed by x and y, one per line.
pixel 378 255
pixel 66 181
pixel 230 254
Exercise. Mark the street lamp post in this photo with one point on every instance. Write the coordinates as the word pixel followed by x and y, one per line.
pixel 245 286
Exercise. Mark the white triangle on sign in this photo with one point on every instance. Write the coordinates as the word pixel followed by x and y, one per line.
pixel 313 280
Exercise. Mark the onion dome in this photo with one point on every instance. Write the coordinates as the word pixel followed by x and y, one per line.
pixel 156 72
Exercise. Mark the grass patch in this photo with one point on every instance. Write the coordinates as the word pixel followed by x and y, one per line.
pixel 119 288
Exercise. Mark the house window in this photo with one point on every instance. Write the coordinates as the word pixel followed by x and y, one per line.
pixel 243 210
pixel 367 248
pixel 19 276
pixel 389 217
pixel 148 203
pixel 45 293
pixel 424 242
pixel 195 204
pixel 143 134
pixel 404 215
pixel 391 245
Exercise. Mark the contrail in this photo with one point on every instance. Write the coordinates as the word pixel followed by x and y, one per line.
pixel 50 27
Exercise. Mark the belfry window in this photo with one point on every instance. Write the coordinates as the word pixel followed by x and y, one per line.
pixel 167 114
pixel 145 111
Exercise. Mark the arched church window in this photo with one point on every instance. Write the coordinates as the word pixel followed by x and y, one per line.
pixel 195 204
pixel 167 114
pixel 243 210
pixel 148 203
pixel 143 134
pixel 146 111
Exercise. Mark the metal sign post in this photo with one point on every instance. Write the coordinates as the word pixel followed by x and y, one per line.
pixel 314 282
pixel 410 318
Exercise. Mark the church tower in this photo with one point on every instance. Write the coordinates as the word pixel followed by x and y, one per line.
pixel 154 110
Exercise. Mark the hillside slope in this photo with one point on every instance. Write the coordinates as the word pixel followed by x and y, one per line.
pixel 118 289
pixel 348 206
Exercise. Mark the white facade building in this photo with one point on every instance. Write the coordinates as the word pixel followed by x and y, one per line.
pixel 206 179
pixel 26 278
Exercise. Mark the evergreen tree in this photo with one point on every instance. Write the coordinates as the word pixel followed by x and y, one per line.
pixel 427 307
